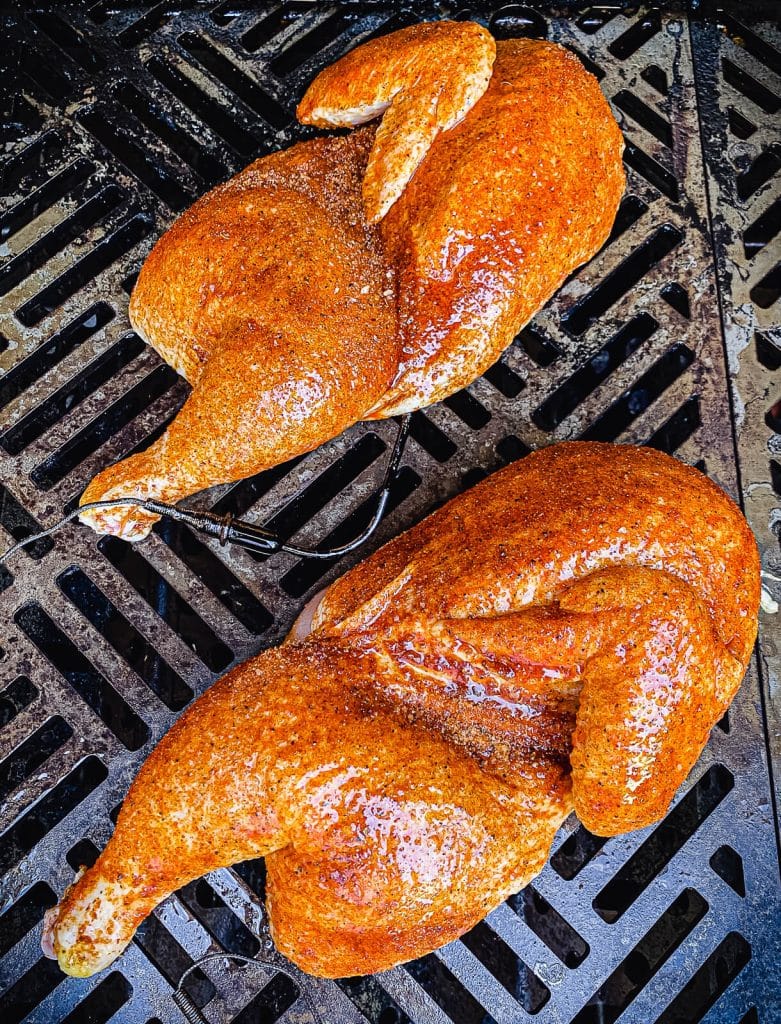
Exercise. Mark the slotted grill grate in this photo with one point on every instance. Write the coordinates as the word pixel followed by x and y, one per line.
pixel 115 118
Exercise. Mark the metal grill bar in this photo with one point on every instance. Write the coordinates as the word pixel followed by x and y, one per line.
pixel 115 118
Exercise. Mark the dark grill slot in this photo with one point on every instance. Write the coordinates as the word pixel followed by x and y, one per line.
pixel 86 441
pixel 768 290
pixel 677 297
pixel 538 346
pixel 33 825
pixel 68 40
pixel 115 138
pixel 739 125
pixel 656 78
pixel 506 381
pixel 678 429
pixel 205 905
pixel 123 636
pixel 139 29
pixel 53 351
pixel 82 855
pixel 234 78
pixel 108 996
pixel 763 230
pixel 15 698
pixel 229 590
pixel 313 498
pixel 511 448
pixel 245 493
pixel 497 957
pixel 566 398
pixel 313 42
pixel 447 991
pixel 548 924
pixel 649 956
pixel 620 281
pixel 167 602
pixel 165 953
pixel 70 395
pixel 761 170
pixel 430 438
pixel 157 120
pixel 265 29
pixel 641 395
pixel 373 1001
pixel 20 524
pixel 33 164
pixel 468 409
pixel 638 35
pixel 728 865
pixel 576 852
pixel 271 1003
pixel 768 351
pixel 30 990
pixel 217 116
pixel 665 841
pixel 514 20
pixel 651 170
pixel 307 572
pixel 721 968
pixel 630 211
pixel 17 921
pixel 95 262
pixel 31 754
pixel 63 184
pixel 93 688
pixel 750 87
pixel 645 116
pixel 67 231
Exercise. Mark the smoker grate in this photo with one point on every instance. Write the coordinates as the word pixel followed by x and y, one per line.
pixel 115 118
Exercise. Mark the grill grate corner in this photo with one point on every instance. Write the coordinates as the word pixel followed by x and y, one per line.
pixel 114 118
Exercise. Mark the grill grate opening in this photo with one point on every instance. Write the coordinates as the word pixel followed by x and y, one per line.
pixel 120 115
pixel 663 843
pixel 108 996
pixel 90 684
pixel 708 983
pixel 645 960
pixel 166 601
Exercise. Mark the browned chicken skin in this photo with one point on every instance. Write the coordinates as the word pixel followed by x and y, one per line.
pixel 566 633
pixel 293 313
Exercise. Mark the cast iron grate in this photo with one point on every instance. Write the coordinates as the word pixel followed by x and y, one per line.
pixel 115 117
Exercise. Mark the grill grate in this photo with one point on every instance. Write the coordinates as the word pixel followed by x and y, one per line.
pixel 115 118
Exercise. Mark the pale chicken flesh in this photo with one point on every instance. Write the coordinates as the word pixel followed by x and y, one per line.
pixel 564 635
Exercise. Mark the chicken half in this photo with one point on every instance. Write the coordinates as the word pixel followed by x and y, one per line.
pixel 563 635
pixel 366 275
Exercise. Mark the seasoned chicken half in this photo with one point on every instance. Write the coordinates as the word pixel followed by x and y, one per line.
pixel 564 634
pixel 295 308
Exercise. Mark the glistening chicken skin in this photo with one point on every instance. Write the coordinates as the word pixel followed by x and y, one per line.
pixel 565 634
pixel 358 277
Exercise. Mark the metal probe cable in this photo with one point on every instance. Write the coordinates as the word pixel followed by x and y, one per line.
pixel 236 531
pixel 193 1014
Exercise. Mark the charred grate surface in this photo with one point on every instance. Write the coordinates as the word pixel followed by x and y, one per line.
pixel 114 118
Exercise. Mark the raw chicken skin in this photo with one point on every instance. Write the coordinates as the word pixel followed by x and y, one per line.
pixel 564 634
pixel 294 311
